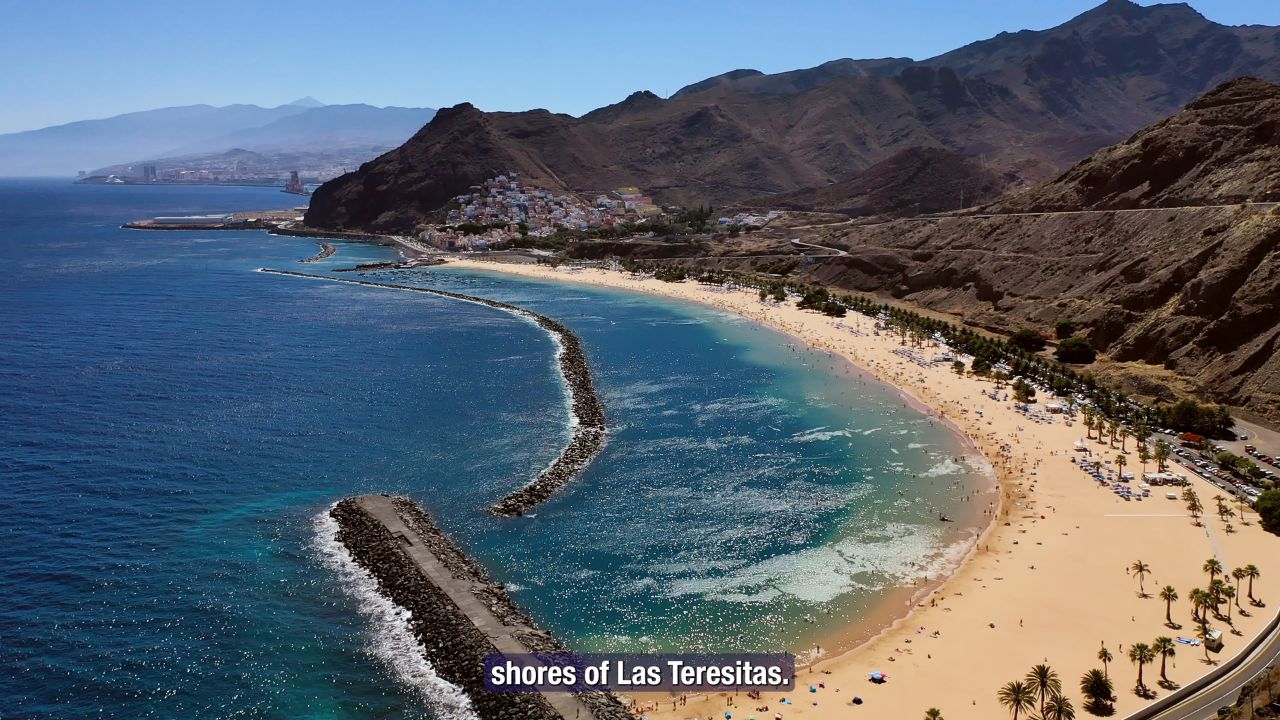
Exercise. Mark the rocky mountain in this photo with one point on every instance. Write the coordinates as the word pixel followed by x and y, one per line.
pixel 912 182
pixel 1223 148
pixel 1181 299
pixel 1027 103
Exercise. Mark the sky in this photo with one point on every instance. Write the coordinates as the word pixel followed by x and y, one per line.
pixel 73 60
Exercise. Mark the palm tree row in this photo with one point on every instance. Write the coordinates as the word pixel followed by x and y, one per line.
pixel 1118 409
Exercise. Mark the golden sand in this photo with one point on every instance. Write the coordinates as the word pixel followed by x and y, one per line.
pixel 1047 583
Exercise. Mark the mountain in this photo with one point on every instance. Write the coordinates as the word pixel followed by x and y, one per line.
pixel 914 181
pixel 715 146
pixel 1223 148
pixel 1120 66
pixel 328 127
pixel 65 149
pixel 1183 300
pixel 304 126
pixel 1028 104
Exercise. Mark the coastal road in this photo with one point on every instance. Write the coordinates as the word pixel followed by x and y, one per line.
pixel 835 252
pixel 1204 704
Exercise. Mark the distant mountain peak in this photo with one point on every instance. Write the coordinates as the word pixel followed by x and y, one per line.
pixel 307 102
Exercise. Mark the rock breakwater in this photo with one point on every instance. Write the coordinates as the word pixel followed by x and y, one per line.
pixel 326 250
pixel 458 613
pixel 588 436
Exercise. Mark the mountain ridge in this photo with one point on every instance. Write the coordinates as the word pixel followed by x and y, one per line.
pixel 1028 104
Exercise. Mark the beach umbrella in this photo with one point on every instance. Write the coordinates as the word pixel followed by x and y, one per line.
pixel 813 688
pixel 728 715
pixel 857 699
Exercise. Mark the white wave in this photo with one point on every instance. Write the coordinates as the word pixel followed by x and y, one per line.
pixel 916 446
pixel 391 639
pixel 818 434
pixel 898 555
pixel 868 432
pixel 946 467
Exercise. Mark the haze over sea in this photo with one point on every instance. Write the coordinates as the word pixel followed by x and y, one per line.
pixel 174 423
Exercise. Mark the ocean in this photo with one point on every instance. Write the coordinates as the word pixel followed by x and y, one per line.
pixel 174 425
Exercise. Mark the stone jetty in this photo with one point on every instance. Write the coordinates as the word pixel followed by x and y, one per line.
pixel 326 250
pixel 459 614
pixel 589 424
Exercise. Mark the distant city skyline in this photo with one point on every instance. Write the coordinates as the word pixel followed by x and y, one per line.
pixel 77 61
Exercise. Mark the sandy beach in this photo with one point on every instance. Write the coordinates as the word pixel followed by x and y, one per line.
pixel 1048 582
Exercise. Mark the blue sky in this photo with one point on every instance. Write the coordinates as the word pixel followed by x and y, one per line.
pixel 69 60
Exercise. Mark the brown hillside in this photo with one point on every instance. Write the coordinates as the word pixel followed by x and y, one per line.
pixel 912 182
pixel 1223 148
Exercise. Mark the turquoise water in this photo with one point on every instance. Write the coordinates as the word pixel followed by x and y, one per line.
pixel 174 423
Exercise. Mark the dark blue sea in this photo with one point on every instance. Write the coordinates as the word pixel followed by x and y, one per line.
pixel 174 425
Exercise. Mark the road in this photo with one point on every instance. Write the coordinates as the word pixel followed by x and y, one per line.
pixel 1205 704
pixel 835 252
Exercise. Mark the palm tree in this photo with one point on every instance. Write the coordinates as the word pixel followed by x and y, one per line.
pixel 1141 654
pixel 1251 572
pixel 1193 505
pixel 1088 414
pixel 1213 567
pixel 1097 690
pixel 1203 634
pixel 1139 570
pixel 1144 456
pixel 1042 680
pixel 1238 574
pixel 1058 708
pixel 1228 594
pixel 1169 595
pixel 1124 433
pixel 1016 697
pixel 1161 454
pixel 1165 648
pixel 1105 656
pixel 1215 594
pixel 1199 601
pixel 1120 463
pixel 933 714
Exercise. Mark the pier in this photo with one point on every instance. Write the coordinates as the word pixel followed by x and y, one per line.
pixel 459 614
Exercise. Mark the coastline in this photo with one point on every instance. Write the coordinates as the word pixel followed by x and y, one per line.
pixel 995 608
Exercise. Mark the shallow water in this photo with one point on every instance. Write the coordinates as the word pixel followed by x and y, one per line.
pixel 174 423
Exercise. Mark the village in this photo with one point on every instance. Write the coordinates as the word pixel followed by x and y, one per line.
pixel 501 209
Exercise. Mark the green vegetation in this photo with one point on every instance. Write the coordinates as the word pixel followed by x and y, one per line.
pixel 1191 416
pixel 1075 351
pixel 1140 570
pixel 696 219
pixel 1017 698
pixel 1098 692
pixel 1141 654
pixel 1169 594
pixel 1268 507
pixel 1064 329
pixel 1022 391
pixel 671 275
pixel 1028 340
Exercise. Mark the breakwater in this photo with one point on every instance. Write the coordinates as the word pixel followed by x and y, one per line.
pixel 458 613
pixel 326 250
pixel 588 434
